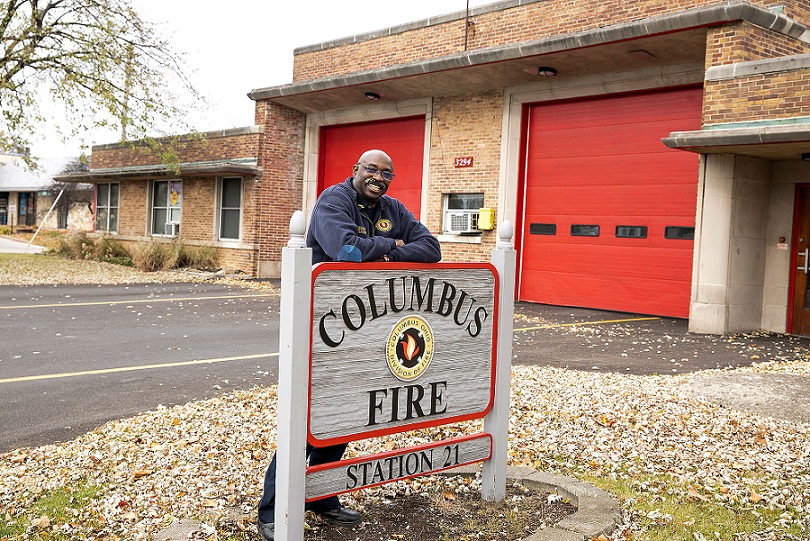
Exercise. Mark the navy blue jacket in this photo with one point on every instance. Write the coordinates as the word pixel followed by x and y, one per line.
pixel 342 217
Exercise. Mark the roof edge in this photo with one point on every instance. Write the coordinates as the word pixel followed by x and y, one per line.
pixel 672 22
pixel 215 134
pixel 245 166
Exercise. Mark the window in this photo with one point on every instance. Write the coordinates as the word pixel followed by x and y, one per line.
pixel 678 232
pixel 579 230
pixel 107 206
pixel 230 208
pixel 631 231
pixel 542 229
pixel 461 212
pixel 167 200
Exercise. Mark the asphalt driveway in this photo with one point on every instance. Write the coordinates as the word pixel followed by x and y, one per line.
pixel 76 356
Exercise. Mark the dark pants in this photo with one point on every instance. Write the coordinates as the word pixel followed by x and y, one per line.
pixel 317 455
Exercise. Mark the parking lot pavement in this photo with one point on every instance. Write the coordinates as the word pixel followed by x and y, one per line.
pixel 8 246
pixel 593 340
pixel 586 339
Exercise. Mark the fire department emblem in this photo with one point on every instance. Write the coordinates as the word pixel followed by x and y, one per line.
pixel 383 224
pixel 409 349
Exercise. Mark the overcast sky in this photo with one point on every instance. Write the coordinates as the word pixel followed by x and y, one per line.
pixel 236 46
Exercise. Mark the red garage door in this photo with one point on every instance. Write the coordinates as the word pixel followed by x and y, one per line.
pixel 609 211
pixel 402 139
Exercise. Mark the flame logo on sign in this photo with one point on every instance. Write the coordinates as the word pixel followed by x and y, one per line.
pixel 409 347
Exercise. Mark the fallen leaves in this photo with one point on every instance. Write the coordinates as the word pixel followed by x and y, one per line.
pixel 207 459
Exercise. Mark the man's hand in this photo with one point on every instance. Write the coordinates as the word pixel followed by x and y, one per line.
pixel 400 242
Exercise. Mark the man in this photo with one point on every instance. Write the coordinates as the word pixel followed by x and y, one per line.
pixel 353 221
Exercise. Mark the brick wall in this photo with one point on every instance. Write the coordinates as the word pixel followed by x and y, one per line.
pixel 467 125
pixel 756 97
pixel 199 197
pixel 133 208
pixel 281 157
pixel 741 42
pixel 532 21
pixel 211 147
pixel 759 97
pixel 199 194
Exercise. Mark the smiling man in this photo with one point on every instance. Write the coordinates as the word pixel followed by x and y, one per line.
pixel 357 213
pixel 354 217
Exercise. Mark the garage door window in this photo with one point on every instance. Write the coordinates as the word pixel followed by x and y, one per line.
pixel 542 229
pixel 631 231
pixel 678 232
pixel 578 230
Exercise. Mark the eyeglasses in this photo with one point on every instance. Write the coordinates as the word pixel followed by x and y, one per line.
pixel 385 175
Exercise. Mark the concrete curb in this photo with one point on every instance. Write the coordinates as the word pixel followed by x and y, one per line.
pixel 597 512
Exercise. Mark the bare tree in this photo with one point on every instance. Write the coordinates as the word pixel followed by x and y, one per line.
pixel 97 58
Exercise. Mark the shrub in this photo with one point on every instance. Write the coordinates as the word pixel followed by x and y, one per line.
pixel 109 249
pixel 198 257
pixel 155 256
pixel 5 230
pixel 77 245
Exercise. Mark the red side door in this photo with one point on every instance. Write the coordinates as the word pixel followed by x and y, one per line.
pixel 403 139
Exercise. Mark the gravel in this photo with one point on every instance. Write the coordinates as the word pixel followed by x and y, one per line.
pixel 207 459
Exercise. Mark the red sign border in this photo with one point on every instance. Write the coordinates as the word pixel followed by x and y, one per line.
pixel 332 266
pixel 400 451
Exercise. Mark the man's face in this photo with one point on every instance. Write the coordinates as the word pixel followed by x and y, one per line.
pixel 371 185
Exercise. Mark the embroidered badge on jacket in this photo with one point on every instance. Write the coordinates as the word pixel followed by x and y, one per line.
pixel 383 224
pixel 361 230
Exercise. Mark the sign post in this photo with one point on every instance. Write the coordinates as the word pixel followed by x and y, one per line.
pixel 293 378
pixel 496 423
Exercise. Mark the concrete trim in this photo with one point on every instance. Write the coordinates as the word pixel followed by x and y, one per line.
pixel 598 512
pixel 740 136
pixel 758 67
pixel 674 22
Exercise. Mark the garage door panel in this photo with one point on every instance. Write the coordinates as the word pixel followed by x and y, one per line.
pixel 601 162
pixel 612 200
pixel 647 297
pixel 617 261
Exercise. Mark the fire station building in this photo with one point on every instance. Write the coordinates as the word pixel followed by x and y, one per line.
pixel 651 154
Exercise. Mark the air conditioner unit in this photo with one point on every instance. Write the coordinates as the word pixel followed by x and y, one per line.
pixel 461 222
pixel 172 229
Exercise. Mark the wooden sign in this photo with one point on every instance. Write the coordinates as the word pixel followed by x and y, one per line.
pixel 364 472
pixel 399 346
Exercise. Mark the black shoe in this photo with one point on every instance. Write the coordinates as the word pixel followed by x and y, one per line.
pixel 341 517
pixel 267 530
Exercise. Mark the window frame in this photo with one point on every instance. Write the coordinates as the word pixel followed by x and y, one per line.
pixel 168 208
pixel 108 206
pixel 221 208
pixel 446 211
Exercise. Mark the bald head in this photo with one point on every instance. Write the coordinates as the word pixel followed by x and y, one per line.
pixel 368 174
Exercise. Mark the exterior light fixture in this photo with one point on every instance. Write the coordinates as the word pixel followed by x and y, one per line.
pixel 545 71
pixel 806 156
pixel 371 96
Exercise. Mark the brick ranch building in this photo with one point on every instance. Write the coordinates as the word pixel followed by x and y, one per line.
pixel 649 153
